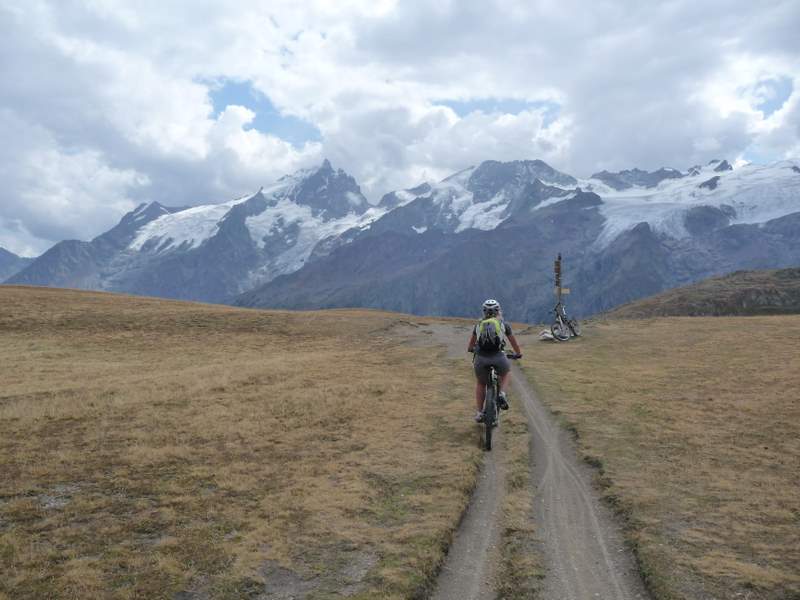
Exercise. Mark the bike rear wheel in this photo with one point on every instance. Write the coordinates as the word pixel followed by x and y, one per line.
pixel 560 331
pixel 489 417
pixel 574 327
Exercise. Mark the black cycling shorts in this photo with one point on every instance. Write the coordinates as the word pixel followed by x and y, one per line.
pixel 482 362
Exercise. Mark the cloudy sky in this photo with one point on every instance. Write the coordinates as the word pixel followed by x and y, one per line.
pixel 103 106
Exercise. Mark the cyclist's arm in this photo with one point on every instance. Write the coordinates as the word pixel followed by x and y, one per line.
pixel 472 342
pixel 514 344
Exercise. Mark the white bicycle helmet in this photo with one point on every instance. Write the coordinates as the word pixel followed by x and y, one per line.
pixel 491 308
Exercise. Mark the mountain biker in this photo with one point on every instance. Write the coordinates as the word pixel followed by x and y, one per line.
pixel 488 343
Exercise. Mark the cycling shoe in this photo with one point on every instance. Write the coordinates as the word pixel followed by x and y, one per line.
pixel 502 401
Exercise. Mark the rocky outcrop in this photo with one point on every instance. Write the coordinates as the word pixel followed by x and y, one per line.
pixel 623 180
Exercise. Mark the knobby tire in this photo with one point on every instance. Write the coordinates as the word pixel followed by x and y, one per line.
pixel 489 417
pixel 574 327
pixel 560 331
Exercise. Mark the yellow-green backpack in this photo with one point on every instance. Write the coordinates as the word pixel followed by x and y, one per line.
pixel 491 335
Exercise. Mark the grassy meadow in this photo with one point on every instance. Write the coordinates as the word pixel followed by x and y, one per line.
pixel 695 425
pixel 157 449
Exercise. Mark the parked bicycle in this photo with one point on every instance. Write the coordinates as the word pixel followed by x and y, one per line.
pixel 564 327
pixel 491 414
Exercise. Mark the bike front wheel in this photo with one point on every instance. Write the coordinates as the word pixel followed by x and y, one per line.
pixel 560 331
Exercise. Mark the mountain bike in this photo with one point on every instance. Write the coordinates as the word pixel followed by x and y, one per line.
pixel 491 414
pixel 564 327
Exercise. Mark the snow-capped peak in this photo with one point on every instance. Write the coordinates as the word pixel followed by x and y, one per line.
pixel 329 192
pixel 185 229
pixel 479 197
pixel 326 193
pixel 749 194
pixel 148 211
pixel 403 197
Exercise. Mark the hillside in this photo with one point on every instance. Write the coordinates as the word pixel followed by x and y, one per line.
pixel 160 449
pixel 11 264
pixel 739 293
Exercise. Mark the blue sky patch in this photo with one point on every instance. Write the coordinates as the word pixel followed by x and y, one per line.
pixel 776 93
pixel 760 157
pixel 268 119
pixel 503 105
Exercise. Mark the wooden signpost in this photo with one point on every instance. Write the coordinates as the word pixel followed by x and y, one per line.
pixel 563 328
pixel 557 270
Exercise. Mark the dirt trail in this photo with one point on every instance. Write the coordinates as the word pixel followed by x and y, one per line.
pixel 582 544
pixel 470 568
pixel 583 548
pixel 471 564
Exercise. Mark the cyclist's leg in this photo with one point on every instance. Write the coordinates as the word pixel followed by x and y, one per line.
pixel 503 367
pixel 481 369
pixel 505 379
pixel 480 394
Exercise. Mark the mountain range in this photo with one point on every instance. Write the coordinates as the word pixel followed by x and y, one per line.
pixel 312 240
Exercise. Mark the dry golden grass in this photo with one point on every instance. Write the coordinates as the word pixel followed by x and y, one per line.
pixel 521 570
pixel 695 423
pixel 169 450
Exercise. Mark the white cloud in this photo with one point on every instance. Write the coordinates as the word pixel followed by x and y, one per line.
pixel 110 107
pixel 58 192
pixel 248 155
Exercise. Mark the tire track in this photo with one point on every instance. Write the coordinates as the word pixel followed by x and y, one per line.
pixel 584 550
pixel 469 570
